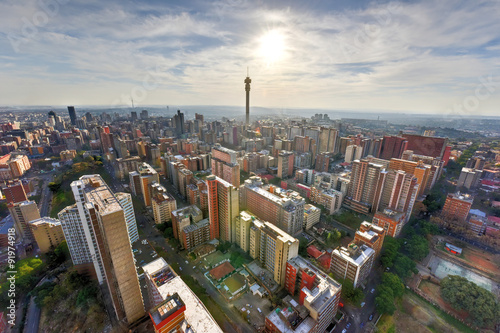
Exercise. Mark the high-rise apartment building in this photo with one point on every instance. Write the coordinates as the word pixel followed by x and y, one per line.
pixel 469 178
pixel 99 224
pixel 163 205
pixel 225 166
pixel 353 263
pixel 47 233
pixel 273 248
pixel 392 221
pixel 195 234
pixel 399 192
pixel 242 225
pixel 353 152
pixel 420 170
pixel 23 213
pixel 141 179
pixel 457 207
pixel 285 164
pixel 125 200
pixel 329 198
pixel 223 208
pixel 284 209
pixel 365 187
pixel 322 162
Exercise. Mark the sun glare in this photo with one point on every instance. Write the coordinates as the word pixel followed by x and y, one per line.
pixel 272 46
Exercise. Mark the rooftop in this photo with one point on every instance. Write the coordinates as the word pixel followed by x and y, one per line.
pixel 355 254
pixel 196 313
pixel 222 270
pixel 45 220
pixel 99 194
pixel 166 308
pixel 324 291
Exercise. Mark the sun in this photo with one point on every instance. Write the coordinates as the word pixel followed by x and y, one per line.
pixel 272 46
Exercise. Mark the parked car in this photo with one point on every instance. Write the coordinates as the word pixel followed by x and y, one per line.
pixel 371 317
pixel 372 291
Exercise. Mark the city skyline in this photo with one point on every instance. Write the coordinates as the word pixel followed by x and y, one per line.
pixel 364 56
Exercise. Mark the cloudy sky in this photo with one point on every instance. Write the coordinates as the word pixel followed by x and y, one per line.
pixel 417 56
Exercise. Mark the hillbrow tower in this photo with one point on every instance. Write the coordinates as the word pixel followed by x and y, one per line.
pixel 247 89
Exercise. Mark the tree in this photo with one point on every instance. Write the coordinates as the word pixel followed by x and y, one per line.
pixel 389 252
pixel 417 247
pixel 354 295
pixel 54 187
pixel 465 295
pixel 303 246
pixel 168 233
pixel 404 266
pixel 385 304
pixel 393 282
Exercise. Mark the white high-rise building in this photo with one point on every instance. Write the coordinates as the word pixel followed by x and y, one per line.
pixel 125 200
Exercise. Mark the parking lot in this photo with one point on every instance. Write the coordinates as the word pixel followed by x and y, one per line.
pixel 252 304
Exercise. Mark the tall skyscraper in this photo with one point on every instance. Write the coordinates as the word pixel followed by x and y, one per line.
pixel 247 90
pixel 22 213
pixel 106 239
pixel 179 123
pixel 72 115
pixel 224 165
pixel 223 208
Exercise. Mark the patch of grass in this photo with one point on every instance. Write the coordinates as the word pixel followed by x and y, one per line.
pixel 60 201
pixel 386 324
pixel 459 326
pixel 351 219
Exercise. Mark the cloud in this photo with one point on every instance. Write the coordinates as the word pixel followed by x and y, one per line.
pixel 392 56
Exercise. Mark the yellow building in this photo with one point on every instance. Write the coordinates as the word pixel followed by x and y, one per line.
pixel 47 232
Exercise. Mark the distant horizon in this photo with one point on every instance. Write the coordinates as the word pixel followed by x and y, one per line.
pixel 174 108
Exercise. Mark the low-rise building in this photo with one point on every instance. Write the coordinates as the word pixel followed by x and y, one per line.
pixel 312 215
pixel 47 232
pixel 176 306
pixel 353 263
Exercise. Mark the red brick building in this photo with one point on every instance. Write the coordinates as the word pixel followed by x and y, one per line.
pixel 457 207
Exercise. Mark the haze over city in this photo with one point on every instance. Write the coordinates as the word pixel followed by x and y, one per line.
pixel 249 166
pixel 418 56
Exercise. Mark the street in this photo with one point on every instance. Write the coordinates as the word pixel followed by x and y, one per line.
pixel 32 317
pixel 238 324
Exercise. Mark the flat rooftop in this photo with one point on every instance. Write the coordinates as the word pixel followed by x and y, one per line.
pixel 284 326
pixel 166 308
pixel 196 313
pixel 99 194
pixel 355 254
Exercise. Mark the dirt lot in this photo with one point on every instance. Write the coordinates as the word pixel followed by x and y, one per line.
pixel 432 291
